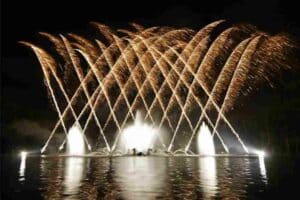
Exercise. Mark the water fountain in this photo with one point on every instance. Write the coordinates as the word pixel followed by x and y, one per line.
pixel 170 74
pixel 164 92
pixel 75 141
pixel 205 141
pixel 139 136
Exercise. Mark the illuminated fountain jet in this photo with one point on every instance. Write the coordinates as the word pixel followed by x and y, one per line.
pixel 75 141
pixel 205 141
pixel 139 136
pixel 74 166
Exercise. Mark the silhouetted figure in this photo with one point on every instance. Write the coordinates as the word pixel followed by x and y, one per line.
pixel 134 152
pixel 140 154
pixel 149 152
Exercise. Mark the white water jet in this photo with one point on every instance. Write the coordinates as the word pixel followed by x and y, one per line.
pixel 205 141
pixel 139 136
pixel 75 141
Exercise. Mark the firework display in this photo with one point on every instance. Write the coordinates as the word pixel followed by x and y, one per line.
pixel 169 73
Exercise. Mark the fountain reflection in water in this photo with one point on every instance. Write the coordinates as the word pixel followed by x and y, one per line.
pixel 74 167
pixel 205 141
pixel 145 177
pixel 74 171
pixel 262 167
pixel 208 176
pixel 207 165
pixel 141 177
pixel 22 166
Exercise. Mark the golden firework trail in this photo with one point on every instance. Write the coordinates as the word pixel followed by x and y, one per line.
pixel 224 75
pixel 160 70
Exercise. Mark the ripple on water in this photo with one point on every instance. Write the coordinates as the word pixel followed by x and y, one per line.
pixel 142 177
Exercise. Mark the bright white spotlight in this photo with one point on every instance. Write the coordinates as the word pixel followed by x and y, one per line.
pixel 23 154
pixel 260 153
pixel 205 141
pixel 139 136
pixel 75 141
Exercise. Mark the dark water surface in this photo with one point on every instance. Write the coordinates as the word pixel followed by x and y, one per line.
pixel 148 178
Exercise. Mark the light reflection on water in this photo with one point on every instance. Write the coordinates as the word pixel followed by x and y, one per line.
pixel 22 168
pixel 140 178
pixel 208 176
pixel 262 167
pixel 146 177
pixel 74 172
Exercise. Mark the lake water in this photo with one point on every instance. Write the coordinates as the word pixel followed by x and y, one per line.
pixel 148 178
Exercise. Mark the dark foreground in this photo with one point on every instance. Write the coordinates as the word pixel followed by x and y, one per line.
pixel 148 178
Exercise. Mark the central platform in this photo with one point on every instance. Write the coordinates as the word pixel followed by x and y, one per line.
pixel 154 155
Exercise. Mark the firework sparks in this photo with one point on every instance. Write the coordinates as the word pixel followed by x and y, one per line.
pixel 160 70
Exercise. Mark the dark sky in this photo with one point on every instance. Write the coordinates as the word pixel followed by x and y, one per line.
pixel 21 20
pixel 22 90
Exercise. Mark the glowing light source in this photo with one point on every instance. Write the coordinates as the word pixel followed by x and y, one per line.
pixel 75 143
pixel 23 154
pixel 260 153
pixel 205 141
pixel 139 135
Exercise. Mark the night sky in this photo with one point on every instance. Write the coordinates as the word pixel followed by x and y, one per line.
pixel 24 102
